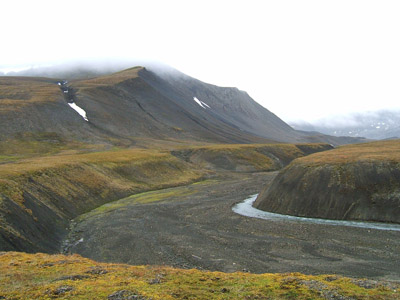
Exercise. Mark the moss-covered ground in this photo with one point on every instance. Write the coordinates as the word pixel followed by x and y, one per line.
pixel 42 276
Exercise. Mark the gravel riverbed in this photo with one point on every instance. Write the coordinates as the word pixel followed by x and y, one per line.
pixel 194 227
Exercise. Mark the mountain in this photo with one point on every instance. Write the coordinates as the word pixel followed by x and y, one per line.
pixel 382 124
pixel 126 107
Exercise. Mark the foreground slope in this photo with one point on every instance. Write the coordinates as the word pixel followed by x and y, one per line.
pixel 41 276
pixel 356 182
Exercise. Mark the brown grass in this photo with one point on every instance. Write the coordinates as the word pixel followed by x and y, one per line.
pixel 16 92
pixel 375 151
pixel 56 161
pixel 247 152
pixel 109 79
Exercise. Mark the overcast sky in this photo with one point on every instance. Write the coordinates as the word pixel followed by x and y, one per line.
pixel 299 59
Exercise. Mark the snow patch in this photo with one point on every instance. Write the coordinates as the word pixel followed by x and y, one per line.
pixel 201 103
pixel 77 242
pixel 205 104
pixel 79 111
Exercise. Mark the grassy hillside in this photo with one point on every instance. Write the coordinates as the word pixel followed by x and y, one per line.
pixel 355 182
pixel 16 92
pixel 109 79
pixel 41 276
pixel 374 151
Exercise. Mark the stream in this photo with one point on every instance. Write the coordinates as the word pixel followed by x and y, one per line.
pixel 245 208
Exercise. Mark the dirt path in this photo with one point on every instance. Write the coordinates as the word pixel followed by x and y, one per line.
pixel 195 227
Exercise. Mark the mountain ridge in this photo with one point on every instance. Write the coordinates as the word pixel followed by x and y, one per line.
pixel 138 103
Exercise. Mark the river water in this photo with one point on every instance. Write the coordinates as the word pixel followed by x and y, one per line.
pixel 245 208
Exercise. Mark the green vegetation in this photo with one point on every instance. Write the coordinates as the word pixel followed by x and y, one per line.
pixel 41 276
pixel 141 198
pixel 149 197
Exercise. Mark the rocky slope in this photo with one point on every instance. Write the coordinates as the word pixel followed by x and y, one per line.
pixel 357 182
pixel 126 107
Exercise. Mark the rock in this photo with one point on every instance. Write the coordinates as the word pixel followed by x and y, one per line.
pixel 72 277
pixel 63 289
pixel 46 265
pixel 365 283
pixel 155 281
pixel 323 290
pixel 126 295
pixel 373 284
pixel 331 278
pixel 97 271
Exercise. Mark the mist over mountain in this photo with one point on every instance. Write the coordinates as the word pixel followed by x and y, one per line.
pixel 75 69
pixel 381 124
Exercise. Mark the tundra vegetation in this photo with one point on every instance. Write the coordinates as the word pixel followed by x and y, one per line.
pixel 43 276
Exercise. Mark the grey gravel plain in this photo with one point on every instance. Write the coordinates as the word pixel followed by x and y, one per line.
pixel 194 227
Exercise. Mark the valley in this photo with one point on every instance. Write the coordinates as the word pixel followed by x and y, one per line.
pixel 194 227
pixel 138 171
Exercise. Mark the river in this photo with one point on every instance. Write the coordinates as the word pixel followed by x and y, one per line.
pixel 245 208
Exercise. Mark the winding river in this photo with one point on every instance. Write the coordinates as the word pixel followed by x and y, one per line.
pixel 245 208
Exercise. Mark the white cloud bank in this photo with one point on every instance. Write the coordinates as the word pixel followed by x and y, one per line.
pixel 300 59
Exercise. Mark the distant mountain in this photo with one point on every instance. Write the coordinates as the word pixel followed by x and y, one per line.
pixel 137 104
pixel 383 124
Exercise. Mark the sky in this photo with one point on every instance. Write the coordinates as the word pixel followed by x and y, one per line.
pixel 302 60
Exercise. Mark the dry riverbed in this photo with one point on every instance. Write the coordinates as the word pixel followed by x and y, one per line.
pixel 194 227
